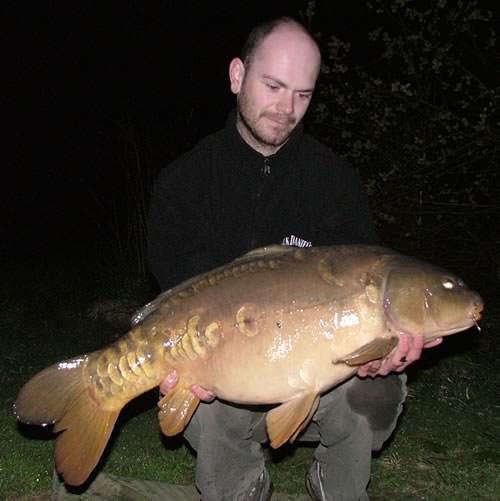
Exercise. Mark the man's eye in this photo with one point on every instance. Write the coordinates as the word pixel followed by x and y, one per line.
pixel 305 96
pixel 272 86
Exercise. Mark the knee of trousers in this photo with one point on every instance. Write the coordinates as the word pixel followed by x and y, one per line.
pixel 219 419
pixel 368 407
pixel 380 400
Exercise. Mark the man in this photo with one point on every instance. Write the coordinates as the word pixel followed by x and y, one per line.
pixel 261 181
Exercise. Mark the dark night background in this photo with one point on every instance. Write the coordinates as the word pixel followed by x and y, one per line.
pixel 78 73
pixel 86 81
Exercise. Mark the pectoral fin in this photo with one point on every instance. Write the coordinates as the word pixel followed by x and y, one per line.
pixel 286 421
pixel 378 348
pixel 176 409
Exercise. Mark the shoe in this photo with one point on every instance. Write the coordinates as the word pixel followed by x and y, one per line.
pixel 314 483
pixel 262 489
pixel 315 486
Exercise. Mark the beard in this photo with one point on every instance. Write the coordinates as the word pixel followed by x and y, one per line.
pixel 267 128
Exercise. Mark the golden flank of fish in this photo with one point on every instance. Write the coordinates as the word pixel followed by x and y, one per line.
pixel 279 325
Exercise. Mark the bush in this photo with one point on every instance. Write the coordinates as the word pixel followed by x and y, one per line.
pixel 420 122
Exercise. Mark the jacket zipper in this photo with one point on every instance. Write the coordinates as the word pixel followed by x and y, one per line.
pixel 265 171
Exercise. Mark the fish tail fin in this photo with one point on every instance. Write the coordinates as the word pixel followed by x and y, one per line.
pixel 85 432
pixel 58 395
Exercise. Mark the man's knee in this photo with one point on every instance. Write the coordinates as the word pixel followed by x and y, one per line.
pixel 379 399
pixel 335 421
pixel 218 419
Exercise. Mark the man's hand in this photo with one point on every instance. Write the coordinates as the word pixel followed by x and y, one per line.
pixel 172 379
pixel 407 351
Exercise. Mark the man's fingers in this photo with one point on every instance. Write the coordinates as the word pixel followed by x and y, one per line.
pixel 202 394
pixel 369 369
pixel 415 349
pixel 403 346
pixel 171 379
pixel 169 382
pixel 408 350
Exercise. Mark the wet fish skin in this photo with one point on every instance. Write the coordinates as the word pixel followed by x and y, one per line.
pixel 279 325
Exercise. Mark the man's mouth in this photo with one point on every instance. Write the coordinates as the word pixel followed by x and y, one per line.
pixel 283 121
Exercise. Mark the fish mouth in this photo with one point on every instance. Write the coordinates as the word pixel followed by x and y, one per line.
pixel 476 316
pixel 475 309
pixel 454 329
pixel 435 333
pixel 471 320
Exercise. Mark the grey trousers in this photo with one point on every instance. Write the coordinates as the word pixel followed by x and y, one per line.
pixel 352 420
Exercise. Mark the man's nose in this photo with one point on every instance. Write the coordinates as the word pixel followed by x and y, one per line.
pixel 285 103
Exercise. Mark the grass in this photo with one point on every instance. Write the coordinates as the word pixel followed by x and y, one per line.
pixel 446 447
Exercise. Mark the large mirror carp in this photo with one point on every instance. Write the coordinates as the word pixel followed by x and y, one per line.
pixel 280 325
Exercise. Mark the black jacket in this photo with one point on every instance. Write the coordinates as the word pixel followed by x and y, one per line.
pixel 223 199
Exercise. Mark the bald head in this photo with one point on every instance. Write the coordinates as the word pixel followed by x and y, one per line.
pixel 274 81
pixel 284 24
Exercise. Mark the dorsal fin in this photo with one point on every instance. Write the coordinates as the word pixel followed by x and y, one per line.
pixel 261 252
pixel 267 251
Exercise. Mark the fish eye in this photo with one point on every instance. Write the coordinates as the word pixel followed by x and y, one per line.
pixel 448 283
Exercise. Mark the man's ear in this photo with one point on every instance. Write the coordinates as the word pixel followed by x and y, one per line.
pixel 236 74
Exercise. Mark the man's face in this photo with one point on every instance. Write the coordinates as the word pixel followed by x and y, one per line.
pixel 274 91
